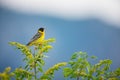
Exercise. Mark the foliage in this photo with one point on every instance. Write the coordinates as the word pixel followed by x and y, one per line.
pixel 34 58
pixel 6 74
pixel 49 74
pixel 21 74
pixel 81 68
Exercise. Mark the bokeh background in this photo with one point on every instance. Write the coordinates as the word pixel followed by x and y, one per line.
pixel 91 26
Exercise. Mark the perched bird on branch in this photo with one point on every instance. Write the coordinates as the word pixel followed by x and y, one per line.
pixel 37 38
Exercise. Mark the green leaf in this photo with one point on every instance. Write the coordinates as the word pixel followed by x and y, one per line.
pixel 26 66
pixel 117 72
pixel 45 77
pixel 74 56
pixel 40 69
pixel 71 63
pixel 67 71
pixel 93 57
pixel 42 62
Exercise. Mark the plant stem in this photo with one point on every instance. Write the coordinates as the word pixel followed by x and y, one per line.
pixel 35 66
pixel 35 69
pixel 35 61
pixel 77 78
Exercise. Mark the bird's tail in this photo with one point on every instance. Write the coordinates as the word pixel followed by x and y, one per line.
pixel 28 44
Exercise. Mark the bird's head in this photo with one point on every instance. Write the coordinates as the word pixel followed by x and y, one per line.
pixel 41 29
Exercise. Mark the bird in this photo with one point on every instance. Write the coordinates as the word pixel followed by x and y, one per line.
pixel 37 38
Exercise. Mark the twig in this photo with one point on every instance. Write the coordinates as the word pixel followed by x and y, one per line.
pixel 35 66
pixel 77 78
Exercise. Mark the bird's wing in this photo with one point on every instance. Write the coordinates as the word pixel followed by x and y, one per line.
pixel 35 37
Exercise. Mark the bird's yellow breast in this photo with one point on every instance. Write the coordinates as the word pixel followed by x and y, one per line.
pixel 39 40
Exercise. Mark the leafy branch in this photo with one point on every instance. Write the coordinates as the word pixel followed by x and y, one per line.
pixel 49 74
pixel 81 68
pixel 6 74
pixel 34 59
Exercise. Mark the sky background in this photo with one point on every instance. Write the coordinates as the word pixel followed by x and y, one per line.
pixel 79 28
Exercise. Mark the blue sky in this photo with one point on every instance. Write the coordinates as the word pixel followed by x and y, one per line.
pixel 91 35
